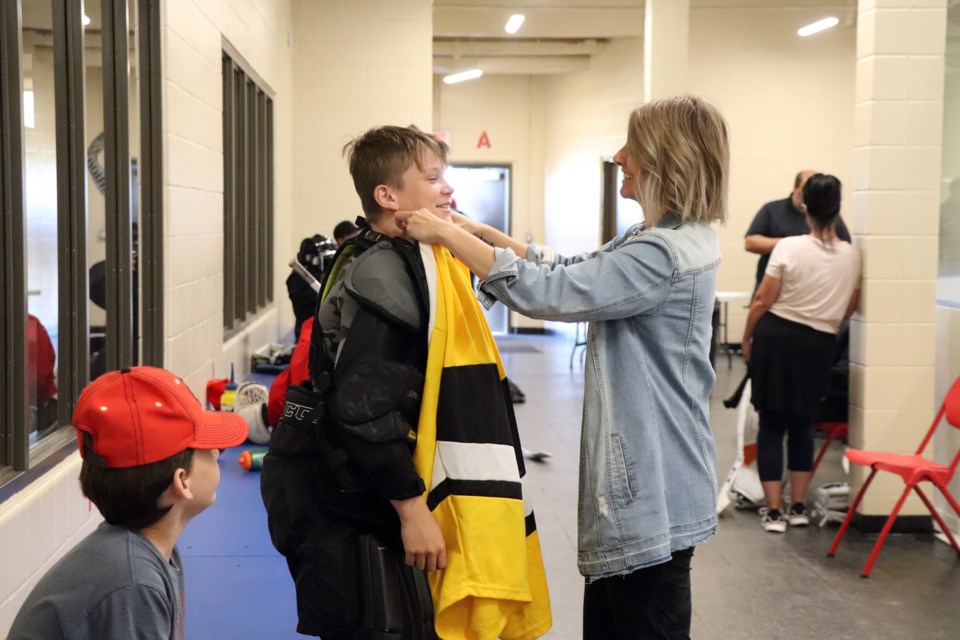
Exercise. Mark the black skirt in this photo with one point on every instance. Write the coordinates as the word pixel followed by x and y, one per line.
pixel 789 366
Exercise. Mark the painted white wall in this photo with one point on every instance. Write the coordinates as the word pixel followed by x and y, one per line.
pixel 586 122
pixel 514 130
pixel 464 111
pixel 193 171
pixel 897 154
pixel 556 132
pixel 948 317
pixel 358 65
pixel 789 105
pixel 42 522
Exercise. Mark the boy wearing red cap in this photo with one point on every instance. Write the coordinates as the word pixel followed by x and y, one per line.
pixel 150 465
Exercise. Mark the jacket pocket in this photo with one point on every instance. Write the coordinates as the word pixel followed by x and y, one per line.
pixel 623 468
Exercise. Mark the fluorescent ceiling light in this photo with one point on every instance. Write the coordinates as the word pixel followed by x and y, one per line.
pixel 513 24
pixel 85 20
pixel 817 26
pixel 454 78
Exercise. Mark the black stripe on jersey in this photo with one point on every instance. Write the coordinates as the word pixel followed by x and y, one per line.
pixel 472 407
pixel 531 523
pixel 482 488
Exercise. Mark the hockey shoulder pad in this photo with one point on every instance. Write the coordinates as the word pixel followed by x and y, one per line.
pixel 380 280
pixel 342 258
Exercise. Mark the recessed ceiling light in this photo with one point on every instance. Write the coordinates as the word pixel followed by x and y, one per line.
pixel 85 20
pixel 513 24
pixel 817 26
pixel 454 78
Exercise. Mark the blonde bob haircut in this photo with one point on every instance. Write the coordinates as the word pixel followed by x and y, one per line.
pixel 682 147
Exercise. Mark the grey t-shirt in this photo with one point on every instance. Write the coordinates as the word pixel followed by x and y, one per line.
pixel 114 584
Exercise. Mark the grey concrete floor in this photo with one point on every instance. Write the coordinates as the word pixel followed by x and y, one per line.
pixel 747 583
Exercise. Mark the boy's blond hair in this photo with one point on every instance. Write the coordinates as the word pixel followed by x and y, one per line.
pixel 382 155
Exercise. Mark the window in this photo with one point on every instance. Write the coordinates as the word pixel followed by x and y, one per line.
pixel 247 192
pixel 79 187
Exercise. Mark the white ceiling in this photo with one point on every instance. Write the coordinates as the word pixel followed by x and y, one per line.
pixel 558 35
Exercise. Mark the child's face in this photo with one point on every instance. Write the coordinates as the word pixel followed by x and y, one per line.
pixel 425 188
pixel 203 478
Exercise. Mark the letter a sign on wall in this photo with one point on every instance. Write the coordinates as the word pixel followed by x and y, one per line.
pixel 484 141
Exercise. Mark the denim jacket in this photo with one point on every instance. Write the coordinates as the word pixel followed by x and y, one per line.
pixel 647 455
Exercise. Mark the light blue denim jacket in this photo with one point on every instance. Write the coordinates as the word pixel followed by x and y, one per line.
pixel 647 455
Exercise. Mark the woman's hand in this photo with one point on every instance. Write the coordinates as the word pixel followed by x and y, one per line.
pixel 469 225
pixel 423 541
pixel 422 225
pixel 456 235
pixel 745 349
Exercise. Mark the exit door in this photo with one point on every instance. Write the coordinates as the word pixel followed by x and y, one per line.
pixel 482 192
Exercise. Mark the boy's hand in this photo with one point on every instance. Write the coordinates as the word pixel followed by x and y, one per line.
pixel 423 225
pixel 422 539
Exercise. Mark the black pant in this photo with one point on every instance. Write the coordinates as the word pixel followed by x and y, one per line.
pixel 799 432
pixel 649 603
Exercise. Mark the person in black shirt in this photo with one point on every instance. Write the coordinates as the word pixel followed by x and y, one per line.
pixel 781 219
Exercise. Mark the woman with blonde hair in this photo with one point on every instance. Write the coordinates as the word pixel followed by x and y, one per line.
pixel 648 481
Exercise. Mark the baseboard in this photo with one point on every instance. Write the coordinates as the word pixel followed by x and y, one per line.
pixel 903 524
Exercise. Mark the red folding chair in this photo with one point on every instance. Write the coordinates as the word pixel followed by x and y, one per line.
pixel 913 469
pixel 833 431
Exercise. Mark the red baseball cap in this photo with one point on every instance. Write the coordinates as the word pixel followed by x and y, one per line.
pixel 142 415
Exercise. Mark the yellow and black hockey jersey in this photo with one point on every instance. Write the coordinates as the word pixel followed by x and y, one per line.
pixel 468 454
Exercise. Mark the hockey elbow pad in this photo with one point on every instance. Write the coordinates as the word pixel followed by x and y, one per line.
pixel 378 401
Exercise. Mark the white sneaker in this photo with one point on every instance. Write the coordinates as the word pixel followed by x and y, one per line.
pixel 773 521
pixel 798 516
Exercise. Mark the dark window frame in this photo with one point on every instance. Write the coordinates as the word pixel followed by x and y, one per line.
pixel 151 182
pixel 16 457
pixel 71 205
pixel 13 294
pixel 116 155
pixel 248 198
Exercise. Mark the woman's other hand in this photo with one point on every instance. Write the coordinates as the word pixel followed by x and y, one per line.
pixel 458 237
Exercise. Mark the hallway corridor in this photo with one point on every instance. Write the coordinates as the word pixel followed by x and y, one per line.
pixel 748 584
